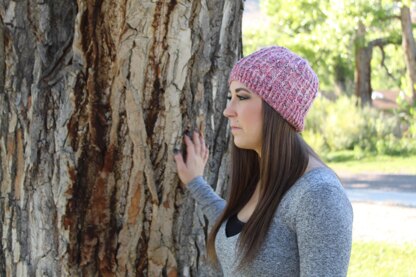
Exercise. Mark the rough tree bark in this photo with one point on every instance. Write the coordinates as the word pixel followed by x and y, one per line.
pixel 363 55
pixel 95 96
pixel 409 48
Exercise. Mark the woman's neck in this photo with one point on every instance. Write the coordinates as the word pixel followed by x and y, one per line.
pixel 313 163
pixel 245 213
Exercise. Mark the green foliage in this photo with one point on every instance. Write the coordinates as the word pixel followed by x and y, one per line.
pixel 406 113
pixel 347 161
pixel 341 125
pixel 395 64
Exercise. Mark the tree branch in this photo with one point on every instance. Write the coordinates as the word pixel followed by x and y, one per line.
pixel 380 42
pixel 383 57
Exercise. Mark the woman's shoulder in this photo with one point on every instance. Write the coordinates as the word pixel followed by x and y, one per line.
pixel 318 192
pixel 317 183
pixel 319 178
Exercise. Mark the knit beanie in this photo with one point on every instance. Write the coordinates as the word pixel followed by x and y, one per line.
pixel 282 79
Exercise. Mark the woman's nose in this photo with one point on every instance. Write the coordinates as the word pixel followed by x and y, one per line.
pixel 229 111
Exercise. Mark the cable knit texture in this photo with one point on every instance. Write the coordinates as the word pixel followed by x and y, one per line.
pixel 282 79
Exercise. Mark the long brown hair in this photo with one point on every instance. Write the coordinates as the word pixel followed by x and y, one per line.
pixel 284 158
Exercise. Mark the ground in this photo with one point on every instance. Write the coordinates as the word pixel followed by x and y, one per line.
pixel 381 222
pixel 391 218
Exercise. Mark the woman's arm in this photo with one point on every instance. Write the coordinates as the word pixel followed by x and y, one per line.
pixel 190 173
pixel 324 231
pixel 211 204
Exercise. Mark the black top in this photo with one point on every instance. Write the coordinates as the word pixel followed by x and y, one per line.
pixel 233 226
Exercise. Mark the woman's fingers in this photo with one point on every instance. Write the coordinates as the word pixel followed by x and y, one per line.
pixel 196 158
pixel 195 146
pixel 181 167
pixel 204 149
pixel 197 141
pixel 190 148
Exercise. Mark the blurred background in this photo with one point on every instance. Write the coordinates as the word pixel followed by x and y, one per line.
pixel 363 121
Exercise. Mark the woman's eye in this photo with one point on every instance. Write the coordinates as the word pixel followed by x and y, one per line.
pixel 242 97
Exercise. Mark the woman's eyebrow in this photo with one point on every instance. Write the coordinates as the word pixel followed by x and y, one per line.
pixel 242 89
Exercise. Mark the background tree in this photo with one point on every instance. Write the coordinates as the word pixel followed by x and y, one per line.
pixel 94 96
pixel 409 48
pixel 363 56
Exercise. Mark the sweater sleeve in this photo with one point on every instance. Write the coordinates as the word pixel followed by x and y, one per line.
pixel 324 231
pixel 211 204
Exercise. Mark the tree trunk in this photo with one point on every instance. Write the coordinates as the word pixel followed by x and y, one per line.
pixel 96 96
pixel 363 55
pixel 409 48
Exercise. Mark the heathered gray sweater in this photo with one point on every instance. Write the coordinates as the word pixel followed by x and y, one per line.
pixel 310 234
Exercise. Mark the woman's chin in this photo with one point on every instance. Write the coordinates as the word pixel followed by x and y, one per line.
pixel 240 144
pixel 245 145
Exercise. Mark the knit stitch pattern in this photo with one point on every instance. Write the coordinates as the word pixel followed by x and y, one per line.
pixel 282 79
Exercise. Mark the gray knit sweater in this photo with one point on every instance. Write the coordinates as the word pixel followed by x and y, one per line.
pixel 310 234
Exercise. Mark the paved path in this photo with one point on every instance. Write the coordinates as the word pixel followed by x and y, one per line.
pixel 406 199
pixel 381 188
pixel 378 222
pixel 382 182
pixel 384 206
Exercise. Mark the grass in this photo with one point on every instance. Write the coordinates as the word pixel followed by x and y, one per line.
pixel 382 259
pixel 347 161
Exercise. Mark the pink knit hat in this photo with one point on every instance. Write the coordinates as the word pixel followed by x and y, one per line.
pixel 283 79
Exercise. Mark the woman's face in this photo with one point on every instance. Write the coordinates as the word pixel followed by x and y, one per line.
pixel 244 111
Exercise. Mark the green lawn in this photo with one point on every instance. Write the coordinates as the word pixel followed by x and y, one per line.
pixel 346 162
pixel 380 259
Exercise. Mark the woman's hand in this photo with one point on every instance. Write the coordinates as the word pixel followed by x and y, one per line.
pixel 196 158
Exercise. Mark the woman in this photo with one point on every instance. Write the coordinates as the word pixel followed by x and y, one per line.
pixel 287 214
